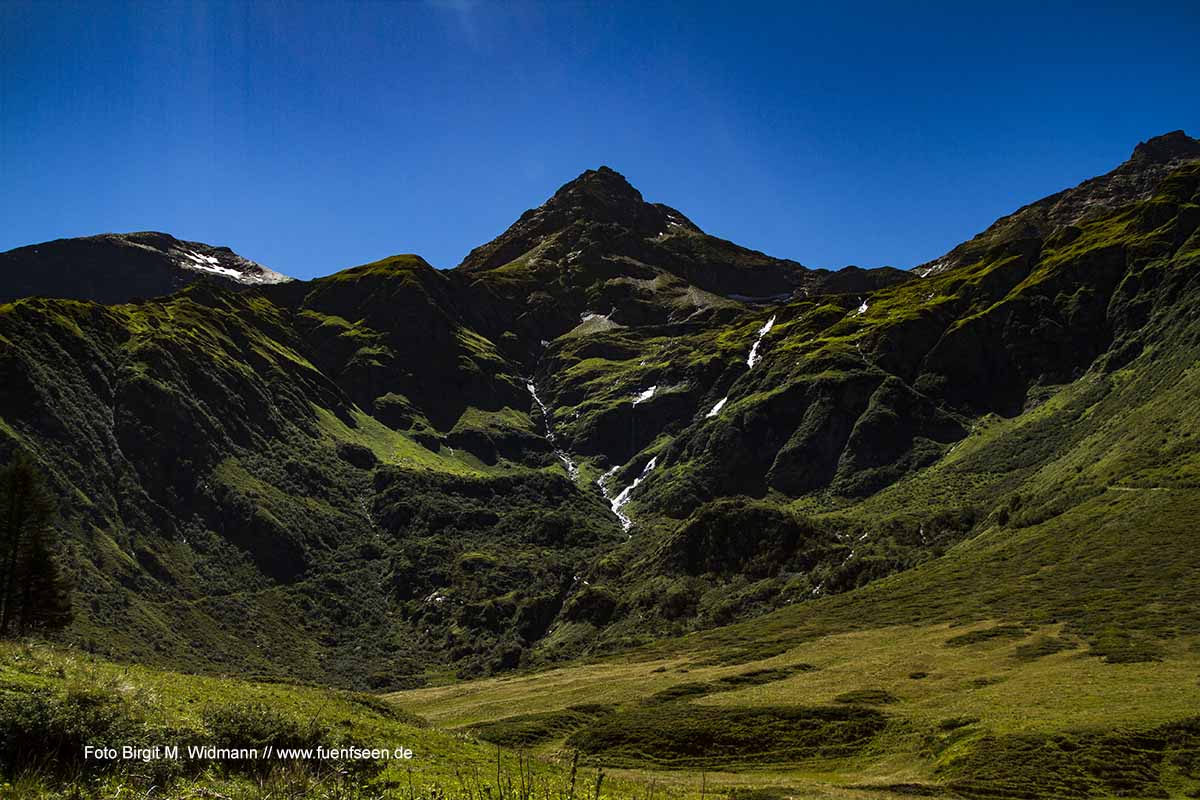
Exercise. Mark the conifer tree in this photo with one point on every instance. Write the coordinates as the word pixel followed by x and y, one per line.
pixel 33 594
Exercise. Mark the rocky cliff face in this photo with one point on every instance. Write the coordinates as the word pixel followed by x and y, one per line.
pixel 604 425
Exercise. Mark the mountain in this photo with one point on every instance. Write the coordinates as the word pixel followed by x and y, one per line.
pixel 120 267
pixel 596 254
pixel 603 428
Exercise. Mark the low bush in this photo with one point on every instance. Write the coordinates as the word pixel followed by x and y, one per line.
pixel 988 635
pixel 869 697
pixel 51 727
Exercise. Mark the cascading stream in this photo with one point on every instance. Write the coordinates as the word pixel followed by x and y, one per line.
pixel 570 465
pixel 754 357
pixel 619 502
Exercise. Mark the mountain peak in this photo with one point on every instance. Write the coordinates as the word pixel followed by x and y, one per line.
pixel 604 185
pixel 596 198
pixel 601 195
pixel 1172 146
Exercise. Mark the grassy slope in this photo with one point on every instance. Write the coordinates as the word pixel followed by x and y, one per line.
pixel 111 704
pixel 98 702
pixel 221 480
pixel 1072 596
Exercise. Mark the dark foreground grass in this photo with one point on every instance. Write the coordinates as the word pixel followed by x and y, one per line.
pixel 54 703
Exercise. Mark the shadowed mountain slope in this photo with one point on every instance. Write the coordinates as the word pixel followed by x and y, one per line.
pixel 119 267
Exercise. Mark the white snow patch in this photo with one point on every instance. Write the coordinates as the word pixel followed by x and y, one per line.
pixel 226 271
pixel 933 269
pixel 645 395
pixel 717 408
pixel 209 264
pixel 754 357
pixel 201 259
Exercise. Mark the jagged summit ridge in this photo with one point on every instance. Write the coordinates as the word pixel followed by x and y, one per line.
pixel 604 184
pixel 1173 146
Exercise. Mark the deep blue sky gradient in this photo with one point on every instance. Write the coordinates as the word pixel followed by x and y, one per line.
pixel 312 137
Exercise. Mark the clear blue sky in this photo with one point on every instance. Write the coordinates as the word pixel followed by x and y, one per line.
pixel 312 137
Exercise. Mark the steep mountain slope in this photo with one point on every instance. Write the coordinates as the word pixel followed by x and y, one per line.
pixel 858 418
pixel 235 508
pixel 119 267
pixel 603 427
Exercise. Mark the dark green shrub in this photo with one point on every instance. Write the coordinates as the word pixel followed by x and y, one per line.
pixel 50 728
pixel 256 725
pixel 988 635
pixel 595 604
pixel 871 697
pixel 1043 646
